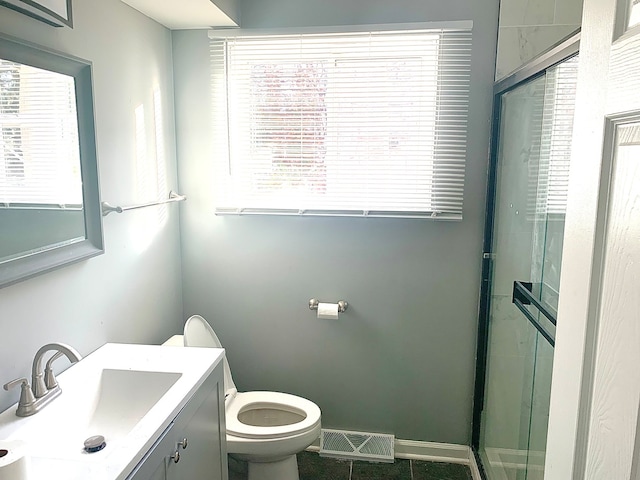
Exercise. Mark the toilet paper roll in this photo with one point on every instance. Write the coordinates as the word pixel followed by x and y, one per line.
pixel 328 311
pixel 14 463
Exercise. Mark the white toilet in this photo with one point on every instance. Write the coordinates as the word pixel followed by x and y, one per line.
pixel 266 429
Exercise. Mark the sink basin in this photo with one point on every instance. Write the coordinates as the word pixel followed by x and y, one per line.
pixel 110 404
pixel 129 394
pixel 124 397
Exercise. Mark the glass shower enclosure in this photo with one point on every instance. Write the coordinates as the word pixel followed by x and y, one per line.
pixel 533 122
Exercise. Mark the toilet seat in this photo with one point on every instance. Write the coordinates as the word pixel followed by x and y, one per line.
pixel 246 401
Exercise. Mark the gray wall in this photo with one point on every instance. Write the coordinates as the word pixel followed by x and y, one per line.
pixel 401 360
pixel 132 293
pixel 529 27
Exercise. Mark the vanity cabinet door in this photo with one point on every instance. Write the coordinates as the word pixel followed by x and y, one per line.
pixel 160 472
pixel 201 424
pixel 154 464
pixel 200 427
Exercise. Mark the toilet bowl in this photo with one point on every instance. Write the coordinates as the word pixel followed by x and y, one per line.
pixel 265 429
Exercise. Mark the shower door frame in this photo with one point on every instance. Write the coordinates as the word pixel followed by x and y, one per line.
pixel 532 70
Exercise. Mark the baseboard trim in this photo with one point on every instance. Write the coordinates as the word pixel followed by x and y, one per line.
pixel 430 452
pixel 473 465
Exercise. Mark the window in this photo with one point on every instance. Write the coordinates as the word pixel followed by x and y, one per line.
pixel 634 14
pixel 38 123
pixel 366 123
pixel 11 133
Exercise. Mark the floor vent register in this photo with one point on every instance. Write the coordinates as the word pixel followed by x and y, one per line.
pixel 373 447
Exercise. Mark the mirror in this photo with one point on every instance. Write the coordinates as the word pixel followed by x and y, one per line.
pixel 49 193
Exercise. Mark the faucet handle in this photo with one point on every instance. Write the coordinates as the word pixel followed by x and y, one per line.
pixel 26 394
pixel 14 383
pixel 49 378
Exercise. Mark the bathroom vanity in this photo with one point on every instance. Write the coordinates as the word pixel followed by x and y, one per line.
pixel 159 408
pixel 187 450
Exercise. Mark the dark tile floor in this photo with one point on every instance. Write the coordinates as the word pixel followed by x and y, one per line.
pixel 314 467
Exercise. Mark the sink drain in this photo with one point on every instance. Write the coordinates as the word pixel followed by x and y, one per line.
pixel 94 444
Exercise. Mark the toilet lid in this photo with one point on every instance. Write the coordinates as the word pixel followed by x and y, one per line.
pixel 271 400
pixel 198 333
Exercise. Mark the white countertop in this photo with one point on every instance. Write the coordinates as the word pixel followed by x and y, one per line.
pixel 50 435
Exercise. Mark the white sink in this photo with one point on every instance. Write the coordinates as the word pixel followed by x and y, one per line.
pixel 124 397
pixel 110 403
pixel 127 393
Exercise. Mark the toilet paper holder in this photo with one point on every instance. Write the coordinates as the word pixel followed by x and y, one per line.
pixel 342 305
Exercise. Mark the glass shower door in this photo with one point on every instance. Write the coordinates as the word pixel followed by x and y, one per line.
pixel 533 155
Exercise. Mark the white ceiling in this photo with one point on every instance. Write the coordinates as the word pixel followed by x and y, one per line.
pixel 183 14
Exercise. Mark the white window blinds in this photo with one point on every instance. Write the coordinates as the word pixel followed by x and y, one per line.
pixel 39 154
pixel 367 123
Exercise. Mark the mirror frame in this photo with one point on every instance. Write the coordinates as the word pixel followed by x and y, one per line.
pixel 53 257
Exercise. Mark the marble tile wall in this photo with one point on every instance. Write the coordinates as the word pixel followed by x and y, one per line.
pixel 529 27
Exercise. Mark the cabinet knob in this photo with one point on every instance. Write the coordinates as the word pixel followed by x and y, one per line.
pixel 176 457
pixel 184 443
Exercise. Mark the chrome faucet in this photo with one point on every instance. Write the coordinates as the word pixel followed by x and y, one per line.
pixel 44 388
